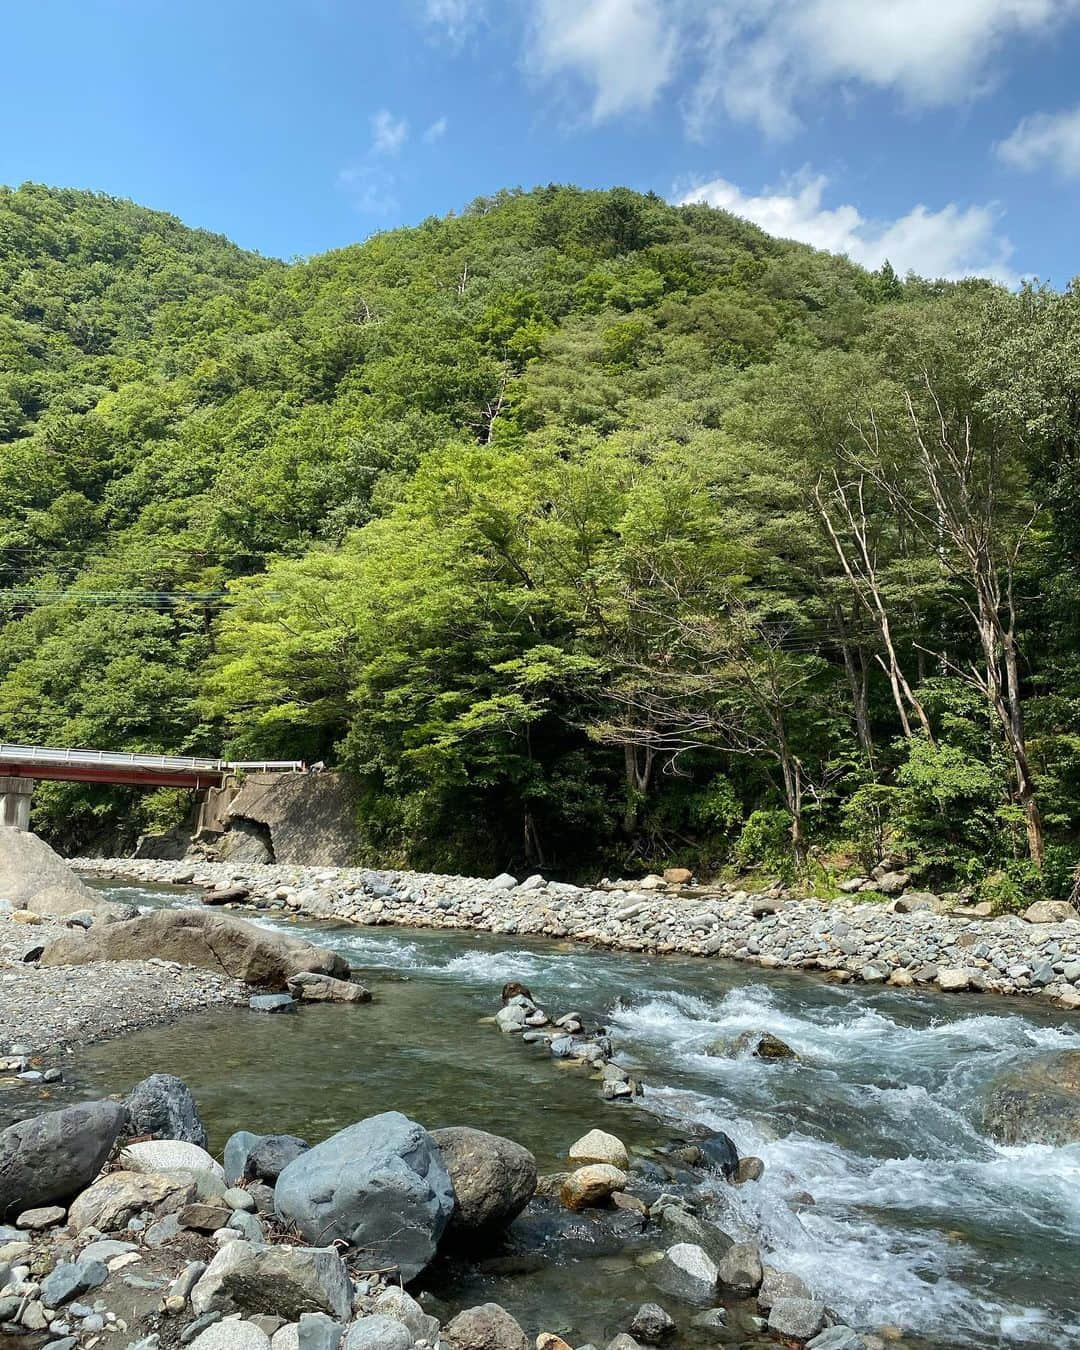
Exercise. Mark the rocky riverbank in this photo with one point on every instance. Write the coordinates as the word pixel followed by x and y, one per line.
pixel 904 941
pixel 76 967
pixel 46 1012
pixel 127 1231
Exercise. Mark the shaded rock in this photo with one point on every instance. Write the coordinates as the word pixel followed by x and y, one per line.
pixel 599 1147
pixel 198 938
pixel 777 1284
pixel 316 1331
pixel 511 1019
pixel 720 1152
pixel 914 902
pixel 247 1225
pixel 313 987
pixel 680 1226
pixel 515 989
pixel 380 1186
pixel 1050 911
pixel 487 1327
pixel 762 1045
pixel 104 1249
pixel 800 1318
pixel 269 1157
pixel 652 1325
pixel 740 1273
pixel 591 1185
pixel 70 1279
pixel 272 1003
pixel 547 1340
pixel 51 1157
pixel 232 1335
pixel 1038 1103
pixel 238 1148
pixel 36 1220
pixel 119 1196
pixel 689 1269
pixel 286 1281
pixel 837 1338
pixel 953 980
pixel 377 1333
pixel 493 1178
pixel 204 1218
pixel 225 895
pixel 395 1302
pixel 162 1106
pixel 749 1169
pixel 712 1321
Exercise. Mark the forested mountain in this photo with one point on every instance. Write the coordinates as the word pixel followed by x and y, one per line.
pixel 586 530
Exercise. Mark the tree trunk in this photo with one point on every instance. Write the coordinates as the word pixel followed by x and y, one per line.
pixel 638 762
pixel 855 665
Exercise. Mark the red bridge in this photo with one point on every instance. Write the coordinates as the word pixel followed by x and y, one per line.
pixel 23 765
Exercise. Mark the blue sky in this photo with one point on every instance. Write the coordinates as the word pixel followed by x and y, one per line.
pixel 944 134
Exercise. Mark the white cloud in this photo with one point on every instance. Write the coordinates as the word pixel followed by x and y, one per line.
pixel 765 61
pixel 623 51
pixel 455 17
pixel 436 131
pixel 388 133
pixel 953 242
pixel 1045 139
pixel 762 62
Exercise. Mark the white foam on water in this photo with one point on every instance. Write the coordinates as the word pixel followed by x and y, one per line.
pixel 885 1241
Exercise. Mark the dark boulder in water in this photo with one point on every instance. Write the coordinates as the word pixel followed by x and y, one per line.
pixel 1037 1103
pixel 721 1155
pixel 162 1106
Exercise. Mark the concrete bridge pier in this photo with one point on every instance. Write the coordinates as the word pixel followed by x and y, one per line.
pixel 15 794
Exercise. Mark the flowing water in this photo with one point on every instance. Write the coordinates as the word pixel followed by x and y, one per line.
pixel 919 1220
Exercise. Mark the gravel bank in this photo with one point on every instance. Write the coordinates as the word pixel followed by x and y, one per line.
pixel 847 940
pixel 49 1010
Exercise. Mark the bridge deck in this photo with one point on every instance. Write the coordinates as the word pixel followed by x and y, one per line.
pixel 123 767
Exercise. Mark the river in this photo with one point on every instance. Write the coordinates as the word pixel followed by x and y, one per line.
pixel 919 1222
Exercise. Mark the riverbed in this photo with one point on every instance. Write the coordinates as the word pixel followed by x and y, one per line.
pixel 919 1222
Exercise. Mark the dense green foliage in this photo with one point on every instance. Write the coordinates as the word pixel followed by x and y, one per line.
pixel 585 530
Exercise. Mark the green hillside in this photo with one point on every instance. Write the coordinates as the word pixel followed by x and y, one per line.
pixel 587 531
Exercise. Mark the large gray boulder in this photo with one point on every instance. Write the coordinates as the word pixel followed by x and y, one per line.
pixel 162 1106
pixel 33 877
pixel 1037 1103
pixel 53 1156
pixel 493 1179
pixel 196 937
pixel 281 1281
pixel 380 1186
